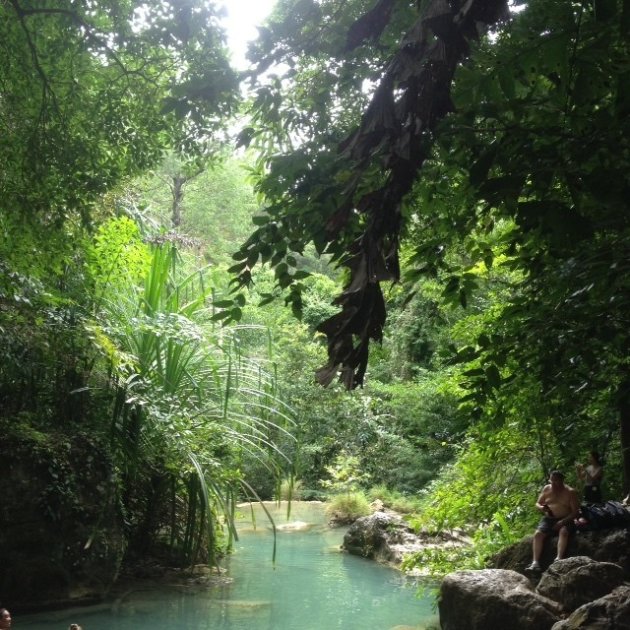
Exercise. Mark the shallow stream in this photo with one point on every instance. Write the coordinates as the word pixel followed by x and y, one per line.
pixel 312 586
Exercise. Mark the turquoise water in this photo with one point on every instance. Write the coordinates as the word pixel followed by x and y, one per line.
pixel 311 587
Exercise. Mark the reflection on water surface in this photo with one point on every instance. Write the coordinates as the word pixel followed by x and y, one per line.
pixel 312 586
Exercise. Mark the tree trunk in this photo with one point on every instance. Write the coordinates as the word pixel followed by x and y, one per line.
pixel 624 429
pixel 177 188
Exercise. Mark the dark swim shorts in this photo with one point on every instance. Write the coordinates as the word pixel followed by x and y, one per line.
pixel 547 522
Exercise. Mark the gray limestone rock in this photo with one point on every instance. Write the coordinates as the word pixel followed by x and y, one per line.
pixel 493 599
pixel 609 545
pixel 385 537
pixel 576 581
pixel 611 612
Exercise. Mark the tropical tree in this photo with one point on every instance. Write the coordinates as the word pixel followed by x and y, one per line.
pixel 214 204
pixel 188 408
pixel 89 95
pixel 534 142
pixel 513 150
pixel 359 153
pixel 92 94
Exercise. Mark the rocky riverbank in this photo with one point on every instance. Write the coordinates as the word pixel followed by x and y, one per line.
pixel 590 590
pixel 578 593
pixel 385 537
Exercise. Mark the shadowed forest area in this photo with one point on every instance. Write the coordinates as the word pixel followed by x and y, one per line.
pixel 390 260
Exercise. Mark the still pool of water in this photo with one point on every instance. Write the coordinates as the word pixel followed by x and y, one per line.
pixel 312 586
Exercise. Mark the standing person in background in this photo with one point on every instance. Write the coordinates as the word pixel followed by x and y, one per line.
pixel 591 475
pixel 5 619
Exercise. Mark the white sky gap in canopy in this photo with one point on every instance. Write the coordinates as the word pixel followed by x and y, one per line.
pixel 243 16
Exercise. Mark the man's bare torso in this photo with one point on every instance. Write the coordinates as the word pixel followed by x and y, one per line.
pixel 559 501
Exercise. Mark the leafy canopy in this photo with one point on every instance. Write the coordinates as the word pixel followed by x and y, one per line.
pixel 358 150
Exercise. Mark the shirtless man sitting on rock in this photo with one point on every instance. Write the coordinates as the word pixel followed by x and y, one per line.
pixel 559 506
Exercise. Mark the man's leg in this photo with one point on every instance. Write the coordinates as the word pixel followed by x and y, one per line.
pixel 563 542
pixel 538 544
pixel 537 549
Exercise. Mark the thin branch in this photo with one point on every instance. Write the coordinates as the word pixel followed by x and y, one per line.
pixel 47 89
pixel 90 35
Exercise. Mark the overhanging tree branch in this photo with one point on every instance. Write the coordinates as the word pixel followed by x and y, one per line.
pixel 396 133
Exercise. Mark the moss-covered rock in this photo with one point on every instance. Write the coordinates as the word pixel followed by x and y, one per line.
pixel 61 537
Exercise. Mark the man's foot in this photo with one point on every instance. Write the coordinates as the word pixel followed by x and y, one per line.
pixel 534 567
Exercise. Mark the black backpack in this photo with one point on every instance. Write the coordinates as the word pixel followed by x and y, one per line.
pixel 604 515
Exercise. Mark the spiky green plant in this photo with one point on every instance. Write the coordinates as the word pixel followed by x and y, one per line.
pixel 188 405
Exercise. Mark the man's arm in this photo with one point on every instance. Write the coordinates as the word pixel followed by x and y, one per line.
pixel 581 473
pixel 541 502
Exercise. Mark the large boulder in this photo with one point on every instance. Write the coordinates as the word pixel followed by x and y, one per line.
pixel 593 592
pixel 576 581
pixel 493 599
pixel 386 538
pixel 606 613
pixel 373 536
pixel 608 545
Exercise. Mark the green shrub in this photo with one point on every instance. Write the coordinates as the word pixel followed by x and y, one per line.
pixel 393 499
pixel 290 490
pixel 348 507
pixel 309 494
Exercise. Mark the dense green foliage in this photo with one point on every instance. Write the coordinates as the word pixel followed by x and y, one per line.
pixel 386 141
pixel 498 168
pixel 102 332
